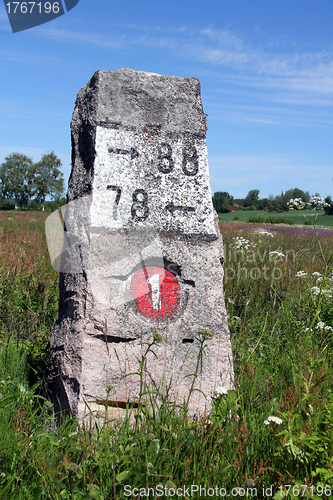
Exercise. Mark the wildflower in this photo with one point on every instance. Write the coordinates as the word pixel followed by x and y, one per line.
pixel 326 292
pixel 297 204
pixel 300 274
pixel 321 326
pixel 310 409
pixel 263 232
pixel 276 254
pixel 149 465
pixel 315 290
pixel 236 318
pixel 231 301
pixel 318 280
pixel 315 273
pixel 276 420
pixel 318 203
pixel 220 390
pixel 241 243
pixel 205 333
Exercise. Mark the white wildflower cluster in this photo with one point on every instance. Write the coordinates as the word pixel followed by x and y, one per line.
pixel 220 390
pixel 263 232
pixel 315 290
pixel 297 204
pixel 321 326
pixel 276 420
pixel 318 203
pixel 276 253
pixel 240 243
pixel 301 274
pixel 315 273
pixel 326 292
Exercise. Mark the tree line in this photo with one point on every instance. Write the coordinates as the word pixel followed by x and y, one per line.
pixel 223 200
pixel 22 181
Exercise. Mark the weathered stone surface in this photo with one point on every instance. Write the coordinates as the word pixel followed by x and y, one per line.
pixel 149 251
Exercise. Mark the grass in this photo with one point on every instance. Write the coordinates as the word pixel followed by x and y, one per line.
pixel 281 325
pixel 297 217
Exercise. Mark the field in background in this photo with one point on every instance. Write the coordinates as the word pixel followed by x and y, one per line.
pixel 297 217
pixel 275 428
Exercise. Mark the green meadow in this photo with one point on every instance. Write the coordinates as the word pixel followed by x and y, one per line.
pixel 295 216
pixel 269 437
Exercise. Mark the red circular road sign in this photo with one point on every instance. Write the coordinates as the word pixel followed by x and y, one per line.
pixel 156 292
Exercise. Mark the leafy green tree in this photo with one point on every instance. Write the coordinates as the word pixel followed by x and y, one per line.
pixel 15 178
pixel 222 202
pixel 263 204
pixel 47 178
pixel 328 209
pixel 252 198
pixel 298 193
pixel 279 203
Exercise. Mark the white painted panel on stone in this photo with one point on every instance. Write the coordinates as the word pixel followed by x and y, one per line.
pixel 147 181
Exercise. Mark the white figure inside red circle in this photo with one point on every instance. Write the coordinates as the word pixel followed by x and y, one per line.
pixel 156 292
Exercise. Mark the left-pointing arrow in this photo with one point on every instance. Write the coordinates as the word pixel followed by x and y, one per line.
pixel 132 152
pixel 171 208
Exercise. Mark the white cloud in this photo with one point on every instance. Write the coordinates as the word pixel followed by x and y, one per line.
pixel 275 71
pixel 261 66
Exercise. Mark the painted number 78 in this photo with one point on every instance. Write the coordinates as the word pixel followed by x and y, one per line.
pixel 139 208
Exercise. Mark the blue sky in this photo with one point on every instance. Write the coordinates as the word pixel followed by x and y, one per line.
pixel 265 68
